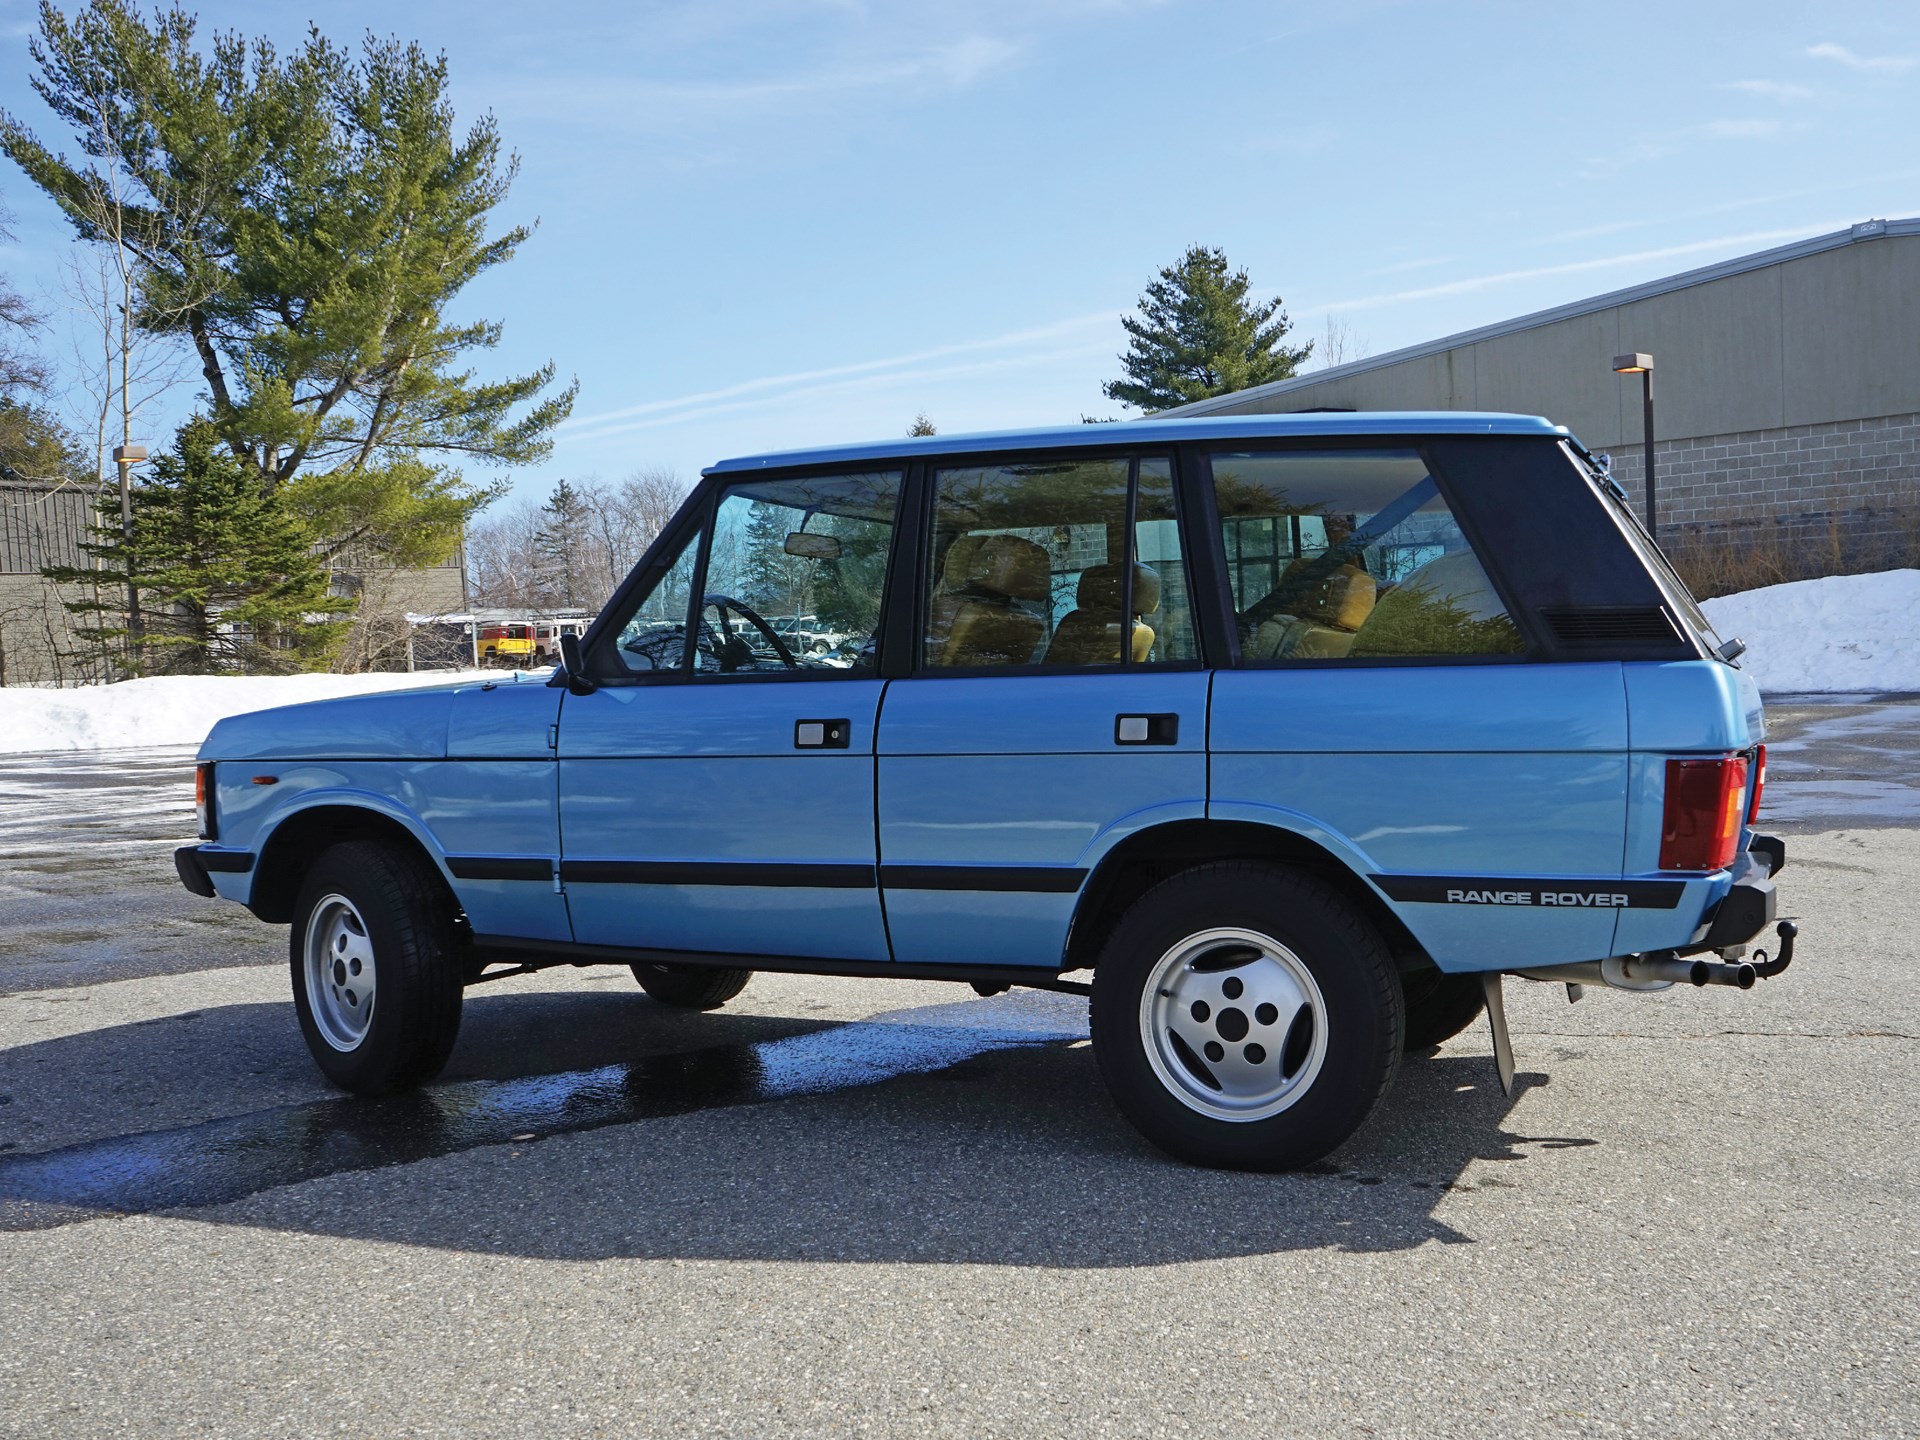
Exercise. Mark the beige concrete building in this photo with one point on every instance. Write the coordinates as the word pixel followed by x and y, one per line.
pixel 1786 385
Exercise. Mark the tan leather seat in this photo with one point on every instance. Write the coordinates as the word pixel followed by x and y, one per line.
pixel 1446 607
pixel 1090 635
pixel 978 615
pixel 1324 620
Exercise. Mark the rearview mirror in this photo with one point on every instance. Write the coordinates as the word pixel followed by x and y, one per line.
pixel 813 547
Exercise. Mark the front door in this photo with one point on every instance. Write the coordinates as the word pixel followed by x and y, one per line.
pixel 716 790
pixel 1058 705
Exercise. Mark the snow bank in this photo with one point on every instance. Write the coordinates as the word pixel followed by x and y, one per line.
pixel 1846 633
pixel 174 709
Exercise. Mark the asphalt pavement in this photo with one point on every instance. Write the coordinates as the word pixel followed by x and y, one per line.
pixel 889 1207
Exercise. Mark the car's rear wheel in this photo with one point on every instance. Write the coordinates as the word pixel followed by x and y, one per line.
pixel 376 974
pixel 1439 1005
pixel 1246 1016
pixel 690 987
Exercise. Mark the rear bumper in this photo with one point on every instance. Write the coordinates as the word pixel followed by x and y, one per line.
pixel 1752 904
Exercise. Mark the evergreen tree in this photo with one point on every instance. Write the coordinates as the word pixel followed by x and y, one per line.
pixel 560 546
pixel 303 222
pixel 921 427
pixel 228 576
pixel 1197 335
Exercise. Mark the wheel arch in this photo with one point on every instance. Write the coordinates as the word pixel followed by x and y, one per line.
pixel 1144 858
pixel 302 836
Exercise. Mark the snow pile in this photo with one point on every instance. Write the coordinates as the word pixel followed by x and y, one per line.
pixel 1846 633
pixel 176 709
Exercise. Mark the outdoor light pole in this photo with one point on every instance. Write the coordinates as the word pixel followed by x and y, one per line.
pixel 125 457
pixel 1642 365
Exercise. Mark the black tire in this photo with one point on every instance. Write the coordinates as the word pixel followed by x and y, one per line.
pixel 1323 1088
pixel 690 987
pixel 1439 1005
pixel 373 898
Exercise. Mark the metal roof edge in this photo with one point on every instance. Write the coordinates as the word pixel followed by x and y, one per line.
pixel 1170 431
pixel 1721 269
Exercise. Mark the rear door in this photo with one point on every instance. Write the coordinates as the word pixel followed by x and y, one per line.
pixel 1058 704
pixel 717 789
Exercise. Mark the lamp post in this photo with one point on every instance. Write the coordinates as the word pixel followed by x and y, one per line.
pixel 125 457
pixel 1642 365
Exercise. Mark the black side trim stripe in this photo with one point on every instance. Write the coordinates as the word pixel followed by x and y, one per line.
pixel 1559 892
pixel 225 862
pixel 500 867
pixel 1026 879
pixel 678 872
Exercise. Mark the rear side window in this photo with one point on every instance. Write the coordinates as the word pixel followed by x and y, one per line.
pixel 1351 555
pixel 1058 563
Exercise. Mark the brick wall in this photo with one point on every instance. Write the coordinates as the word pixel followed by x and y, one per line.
pixel 1856 479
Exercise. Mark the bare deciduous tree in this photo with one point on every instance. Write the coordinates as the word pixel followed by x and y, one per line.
pixel 1340 346
pixel 508 566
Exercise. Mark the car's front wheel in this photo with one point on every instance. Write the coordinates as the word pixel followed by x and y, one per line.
pixel 1246 1016
pixel 376 974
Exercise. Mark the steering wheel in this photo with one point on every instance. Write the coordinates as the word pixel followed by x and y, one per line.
pixel 752 616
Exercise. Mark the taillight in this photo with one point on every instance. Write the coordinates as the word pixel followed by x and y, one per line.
pixel 1705 800
pixel 203 800
pixel 1759 783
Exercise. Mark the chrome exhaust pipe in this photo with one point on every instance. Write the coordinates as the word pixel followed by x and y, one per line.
pixel 1647 972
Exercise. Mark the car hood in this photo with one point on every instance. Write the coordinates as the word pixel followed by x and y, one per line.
pixel 502 719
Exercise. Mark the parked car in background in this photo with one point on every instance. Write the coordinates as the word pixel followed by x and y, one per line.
pixel 510 643
pixel 547 633
pixel 1298 732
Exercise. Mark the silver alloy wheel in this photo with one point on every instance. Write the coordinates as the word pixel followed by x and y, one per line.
pixel 340 972
pixel 1233 1024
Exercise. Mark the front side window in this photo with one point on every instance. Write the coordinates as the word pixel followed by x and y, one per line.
pixel 795 575
pixel 1071 562
pixel 1351 554
pixel 792 581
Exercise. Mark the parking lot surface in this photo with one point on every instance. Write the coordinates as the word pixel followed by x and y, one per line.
pixel 888 1207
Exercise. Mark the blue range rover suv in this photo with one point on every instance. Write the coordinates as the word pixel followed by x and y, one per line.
pixel 1298 732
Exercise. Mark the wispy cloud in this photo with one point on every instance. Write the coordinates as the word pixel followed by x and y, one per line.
pixel 1872 64
pixel 631 102
pixel 1769 89
pixel 1745 129
pixel 1577 267
pixel 1037 344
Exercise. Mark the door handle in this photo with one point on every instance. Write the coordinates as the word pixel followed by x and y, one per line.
pixel 821 734
pixel 1146 729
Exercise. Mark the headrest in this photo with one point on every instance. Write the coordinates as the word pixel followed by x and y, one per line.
pixel 1343 600
pixel 962 555
pixel 1005 565
pixel 1100 589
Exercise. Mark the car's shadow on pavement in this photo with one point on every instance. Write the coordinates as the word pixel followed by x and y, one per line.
pixel 969 1133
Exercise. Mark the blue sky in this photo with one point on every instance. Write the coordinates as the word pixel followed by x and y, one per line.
pixel 784 222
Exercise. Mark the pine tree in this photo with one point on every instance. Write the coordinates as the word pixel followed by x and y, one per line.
pixel 302 221
pixel 229 577
pixel 559 545
pixel 1197 336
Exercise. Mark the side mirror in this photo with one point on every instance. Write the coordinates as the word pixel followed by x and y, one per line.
pixel 813 547
pixel 576 670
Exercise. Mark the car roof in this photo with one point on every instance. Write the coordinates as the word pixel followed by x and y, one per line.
pixel 1160 432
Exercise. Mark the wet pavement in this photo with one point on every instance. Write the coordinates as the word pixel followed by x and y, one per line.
pixel 1842 763
pixel 889 1206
